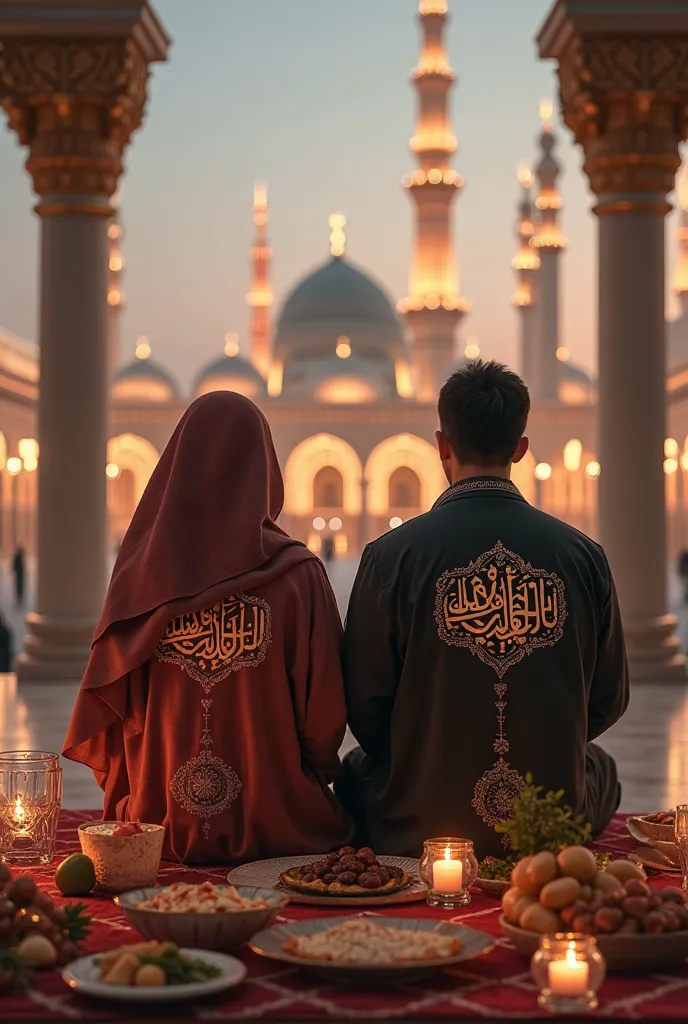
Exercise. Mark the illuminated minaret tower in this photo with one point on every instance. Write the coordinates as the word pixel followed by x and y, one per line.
pixel 115 296
pixel 680 284
pixel 549 242
pixel 433 306
pixel 260 296
pixel 526 263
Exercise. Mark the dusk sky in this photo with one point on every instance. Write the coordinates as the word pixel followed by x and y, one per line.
pixel 313 96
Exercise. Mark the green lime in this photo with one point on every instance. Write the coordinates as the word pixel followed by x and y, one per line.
pixel 76 875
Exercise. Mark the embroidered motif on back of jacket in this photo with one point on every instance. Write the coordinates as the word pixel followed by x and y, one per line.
pixel 235 633
pixel 209 645
pixel 500 608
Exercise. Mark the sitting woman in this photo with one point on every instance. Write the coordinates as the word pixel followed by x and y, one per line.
pixel 213 701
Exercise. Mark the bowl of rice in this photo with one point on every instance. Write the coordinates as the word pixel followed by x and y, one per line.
pixel 206 916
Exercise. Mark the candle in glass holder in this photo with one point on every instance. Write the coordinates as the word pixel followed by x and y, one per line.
pixel 447 874
pixel 569 977
pixel 30 799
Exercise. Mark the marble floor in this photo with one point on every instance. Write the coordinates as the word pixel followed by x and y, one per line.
pixel 650 743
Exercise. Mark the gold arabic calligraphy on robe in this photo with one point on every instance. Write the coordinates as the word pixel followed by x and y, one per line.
pixel 500 608
pixel 211 643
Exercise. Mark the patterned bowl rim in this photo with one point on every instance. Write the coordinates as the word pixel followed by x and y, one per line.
pixel 278 900
pixel 150 828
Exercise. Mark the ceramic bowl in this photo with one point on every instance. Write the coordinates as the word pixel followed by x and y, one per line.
pixel 492 886
pixel 633 953
pixel 122 862
pixel 644 830
pixel 218 932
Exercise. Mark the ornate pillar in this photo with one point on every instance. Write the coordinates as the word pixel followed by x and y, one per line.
pixel 73 82
pixel 624 92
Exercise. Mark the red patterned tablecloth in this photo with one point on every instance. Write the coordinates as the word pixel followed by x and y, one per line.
pixel 495 986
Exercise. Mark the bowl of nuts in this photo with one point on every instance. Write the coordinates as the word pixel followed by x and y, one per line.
pixel 652 828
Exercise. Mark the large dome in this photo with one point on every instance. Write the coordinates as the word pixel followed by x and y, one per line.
pixel 144 381
pixel 338 299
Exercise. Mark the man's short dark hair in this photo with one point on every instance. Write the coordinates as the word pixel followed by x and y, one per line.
pixel 483 411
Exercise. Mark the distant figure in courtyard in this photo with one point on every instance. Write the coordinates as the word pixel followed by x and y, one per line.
pixel 328 550
pixel 19 573
pixel 213 702
pixel 682 569
pixel 5 645
pixel 483 642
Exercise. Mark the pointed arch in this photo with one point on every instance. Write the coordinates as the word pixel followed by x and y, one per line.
pixel 403 451
pixel 305 462
pixel 135 455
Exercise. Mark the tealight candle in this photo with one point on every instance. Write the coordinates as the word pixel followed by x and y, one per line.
pixel 447 874
pixel 569 977
pixel 30 798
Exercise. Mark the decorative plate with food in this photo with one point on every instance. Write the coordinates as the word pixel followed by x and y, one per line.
pixel 348 872
pixel 154 972
pixel 371 949
pixel 348 877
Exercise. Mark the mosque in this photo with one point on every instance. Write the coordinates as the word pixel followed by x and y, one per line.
pixel 348 377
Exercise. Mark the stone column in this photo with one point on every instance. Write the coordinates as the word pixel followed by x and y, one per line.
pixel 624 90
pixel 73 78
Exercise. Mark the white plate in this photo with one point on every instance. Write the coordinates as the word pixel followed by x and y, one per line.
pixel 83 976
pixel 266 874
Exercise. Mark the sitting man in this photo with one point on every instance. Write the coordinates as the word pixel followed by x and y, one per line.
pixel 483 642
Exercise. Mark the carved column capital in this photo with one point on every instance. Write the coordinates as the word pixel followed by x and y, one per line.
pixel 75 105
pixel 625 98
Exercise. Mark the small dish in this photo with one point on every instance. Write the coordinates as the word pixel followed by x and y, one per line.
pixel 122 862
pixel 220 931
pixel 270 944
pixel 657 858
pixel 492 886
pixel 649 831
pixel 83 977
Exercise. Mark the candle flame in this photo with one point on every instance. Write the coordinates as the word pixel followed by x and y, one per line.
pixel 447 853
pixel 19 812
pixel 546 111
pixel 571 958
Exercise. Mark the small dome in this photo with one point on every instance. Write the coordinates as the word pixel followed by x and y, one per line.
pixel 144 381
pixel 338 299
pixel 576 386
pixel 231 373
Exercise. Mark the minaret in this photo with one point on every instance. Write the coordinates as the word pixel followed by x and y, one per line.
pixel 549 241
pixel 526 263
pixel 680 284
pixel 433 306
pixel 260 296
pixel 116 297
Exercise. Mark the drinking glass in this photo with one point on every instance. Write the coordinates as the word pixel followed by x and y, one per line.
pixel 681 835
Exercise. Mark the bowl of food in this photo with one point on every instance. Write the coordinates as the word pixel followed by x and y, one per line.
pixel 206 916
pixel 636 927
pixel 653 828
pixel 125 855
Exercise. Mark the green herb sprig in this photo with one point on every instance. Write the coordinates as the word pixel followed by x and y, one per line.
pixel 181 970
pixel 542 823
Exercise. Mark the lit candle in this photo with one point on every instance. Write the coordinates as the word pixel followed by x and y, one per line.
pixel 569 977
pixel 19 812
pixel 447 874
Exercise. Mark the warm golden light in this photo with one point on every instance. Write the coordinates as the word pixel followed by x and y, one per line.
pixel 543 471
pixel 435 176
pixel 403 380
pixel 112 470
pixel 116 263
pixel 343 348
pixel 524 173
pixel 671 447
pixel 231 344
pixel 14 465
pixel 684 460
pixel 593 470
pixel 563 354
pixel 472 349
pixel 670 466
pixel 275 376
pixel 30 463
pixel 337 235
pixel 431 142
pixel 260 195
pixel 114 297
pixel 546 114
pixel 335 524
pixel 114 232
pixel 28 448
pixel 682 187
pixel 433 6
pixel 319 523
pixel 573 452
pixel 19 812
pixel 143 349
pixel 394 522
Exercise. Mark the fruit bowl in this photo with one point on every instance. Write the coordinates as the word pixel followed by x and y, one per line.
pixel 219 932
pixel 622 952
